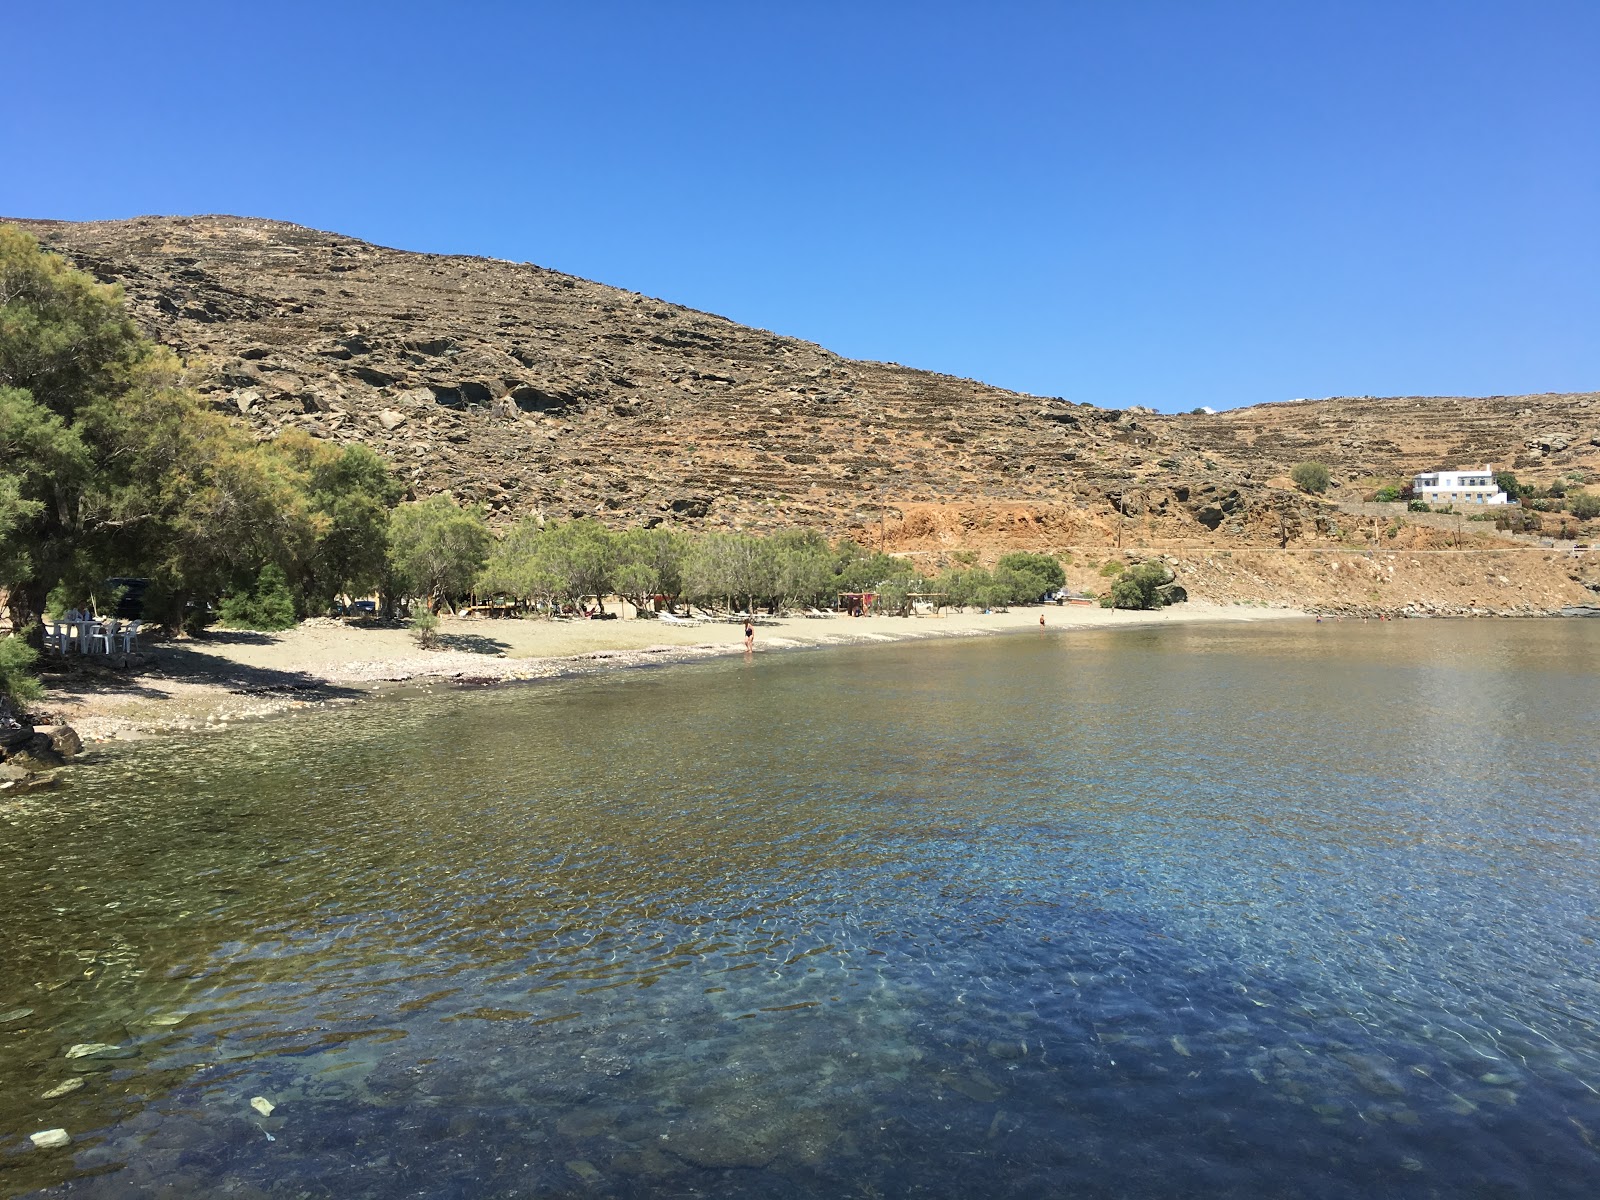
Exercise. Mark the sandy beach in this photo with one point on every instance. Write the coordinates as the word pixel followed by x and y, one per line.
pixel 228 676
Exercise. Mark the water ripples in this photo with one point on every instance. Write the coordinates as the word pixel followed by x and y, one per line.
pixel 1171 913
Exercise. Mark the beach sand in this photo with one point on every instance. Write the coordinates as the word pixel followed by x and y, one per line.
pixel 229 676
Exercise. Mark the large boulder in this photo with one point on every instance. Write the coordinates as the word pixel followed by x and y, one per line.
pixel 63 739
pixel 14 737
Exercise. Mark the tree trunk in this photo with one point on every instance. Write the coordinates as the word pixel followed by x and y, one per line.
pixel 25 606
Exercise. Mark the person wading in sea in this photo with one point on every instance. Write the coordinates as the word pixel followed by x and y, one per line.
pixel 749 636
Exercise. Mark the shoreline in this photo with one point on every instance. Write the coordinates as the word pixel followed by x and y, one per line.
pixel 228 676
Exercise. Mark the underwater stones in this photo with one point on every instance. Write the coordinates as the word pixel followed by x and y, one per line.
pixel 1374 1074
pixel 97 1056
pixel 262 1105
pixel 50 1139
pixel 975 1087
pixel 94 1050
pixel 584 1170
pixel 61 1089
pixel 15 1014
pixel 606 1063
pixel 36 757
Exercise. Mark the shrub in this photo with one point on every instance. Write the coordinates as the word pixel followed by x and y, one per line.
pixel 425 628
pixel 1112 568
pixel 270 607
pixel 1583 505
pixel 1387 494
pixel 18 687
pixel 1310 477
pixel 1418 506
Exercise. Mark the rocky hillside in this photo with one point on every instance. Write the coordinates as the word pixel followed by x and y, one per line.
pixel 526 389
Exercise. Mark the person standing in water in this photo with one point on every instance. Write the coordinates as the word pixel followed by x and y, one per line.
pixel 1041 620
pixel 749 636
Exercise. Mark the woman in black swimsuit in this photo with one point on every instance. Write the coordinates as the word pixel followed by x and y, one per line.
pixel 749 636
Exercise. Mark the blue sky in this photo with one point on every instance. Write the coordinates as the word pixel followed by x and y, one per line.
pixel 1162 202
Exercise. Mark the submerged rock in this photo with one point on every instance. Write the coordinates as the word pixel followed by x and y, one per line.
pixel 90 1049
pixel 51 1139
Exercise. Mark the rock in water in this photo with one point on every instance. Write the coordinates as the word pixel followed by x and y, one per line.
pixel 61 1089
pixel 63 739
pixel 263 1106
pixel 51 1139
pixel 90 1050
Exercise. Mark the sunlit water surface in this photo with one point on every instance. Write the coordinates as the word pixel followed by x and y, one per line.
pixel 1269 911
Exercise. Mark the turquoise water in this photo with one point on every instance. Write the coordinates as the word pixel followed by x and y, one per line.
pixel 1299 911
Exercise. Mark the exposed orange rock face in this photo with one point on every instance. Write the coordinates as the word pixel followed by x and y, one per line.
pixel 528 390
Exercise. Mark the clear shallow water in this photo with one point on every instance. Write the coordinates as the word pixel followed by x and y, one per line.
pixel 1291 912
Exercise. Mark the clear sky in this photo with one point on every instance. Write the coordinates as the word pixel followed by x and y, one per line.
pixel 1162 202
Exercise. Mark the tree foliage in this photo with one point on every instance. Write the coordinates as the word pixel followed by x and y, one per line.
pixel 1141 587
pixel 437 548
pixel 270 606
pixel 111 466
pixel 18 688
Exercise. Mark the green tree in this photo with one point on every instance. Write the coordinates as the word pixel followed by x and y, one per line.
pixel 650 564
pixel 582 556
pixel 513 566
pixel 1310 477
pixel 109 465
pixel 437 548
pixel 805 572
pixel 348 492
pixel 1046 566
pixel 730 566
pixel 1141 587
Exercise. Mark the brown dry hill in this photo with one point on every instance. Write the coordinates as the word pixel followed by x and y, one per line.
pixel 526 389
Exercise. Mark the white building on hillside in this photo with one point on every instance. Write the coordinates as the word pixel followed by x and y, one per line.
pixel 1458 487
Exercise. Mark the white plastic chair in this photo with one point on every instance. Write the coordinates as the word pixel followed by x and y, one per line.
pixel 55 637
pixel 129 634
pixel 101 635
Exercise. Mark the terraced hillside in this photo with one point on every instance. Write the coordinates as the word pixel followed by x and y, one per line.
pixel 529 390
